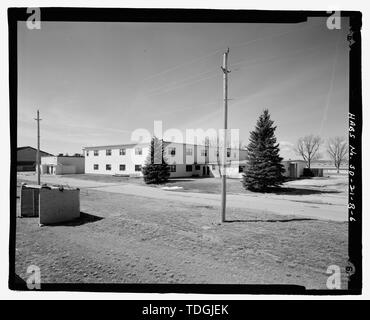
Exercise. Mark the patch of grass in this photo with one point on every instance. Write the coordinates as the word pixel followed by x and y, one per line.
pixel 207 185
pixel 106 178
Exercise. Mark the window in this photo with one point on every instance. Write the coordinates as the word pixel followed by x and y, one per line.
pixel 108 152
pixel 213 167
pixel 172 168
pixel 189 151
pixel 241 169
pixel 87 153
pixel 122 167
pixel 137 167
pixel 138 151
pixel 203 152
pixel 189 168
pixel 96 152
pixel 108 167
pixel 228 153
pixel 96 167
pixel 172 151
pixel 122 152
pixel 197 167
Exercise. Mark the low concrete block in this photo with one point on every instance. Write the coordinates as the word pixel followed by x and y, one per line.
pixel 29 201
pixel 58 205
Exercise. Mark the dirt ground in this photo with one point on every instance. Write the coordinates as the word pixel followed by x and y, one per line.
pixel 125 238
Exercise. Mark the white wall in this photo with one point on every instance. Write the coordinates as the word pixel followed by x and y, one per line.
pixel 115 159
pixel 49 160
pixel 232 171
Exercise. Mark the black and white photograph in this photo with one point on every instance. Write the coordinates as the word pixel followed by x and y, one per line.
pixel 205 151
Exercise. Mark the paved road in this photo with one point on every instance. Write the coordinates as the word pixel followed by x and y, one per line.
pixel 250 202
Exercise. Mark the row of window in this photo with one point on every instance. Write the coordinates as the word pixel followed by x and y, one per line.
pixel 122 167
pixel 189 152
pixel 241 168
pixel 171 151
pixel 122 152
pixel 189 168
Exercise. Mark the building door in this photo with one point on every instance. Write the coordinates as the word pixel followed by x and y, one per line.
pixel 204 170
pixel 293 170
pixel 207 170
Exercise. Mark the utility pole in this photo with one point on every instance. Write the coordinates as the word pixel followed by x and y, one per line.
pixel 38 148
pixel 223 172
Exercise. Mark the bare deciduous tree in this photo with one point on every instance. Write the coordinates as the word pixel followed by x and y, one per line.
pixel 337 148
pixel 308 147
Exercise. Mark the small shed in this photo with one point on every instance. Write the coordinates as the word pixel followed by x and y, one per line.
pixel 51 204
pixel 294 168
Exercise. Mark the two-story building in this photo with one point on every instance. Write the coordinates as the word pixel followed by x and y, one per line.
pixel 185 160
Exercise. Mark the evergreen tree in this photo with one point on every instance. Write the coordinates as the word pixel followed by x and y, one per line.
pixel 156 169
pixel 264 169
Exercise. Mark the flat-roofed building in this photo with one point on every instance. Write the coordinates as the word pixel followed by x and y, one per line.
pixel 185 160
pixel 62 165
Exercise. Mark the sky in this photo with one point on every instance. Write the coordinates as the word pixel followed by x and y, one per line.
pixel 95 83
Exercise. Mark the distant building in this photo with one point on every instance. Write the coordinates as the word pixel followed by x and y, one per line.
pixel 26 158
pixel 185 160
pixel 62 165
pixel 296 169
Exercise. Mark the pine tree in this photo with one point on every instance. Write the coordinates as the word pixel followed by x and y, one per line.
pixel 156 169
pixel 264 169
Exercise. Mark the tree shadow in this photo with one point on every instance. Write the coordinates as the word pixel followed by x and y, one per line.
pixel 187 179
pixel 298 191
pixel 270 220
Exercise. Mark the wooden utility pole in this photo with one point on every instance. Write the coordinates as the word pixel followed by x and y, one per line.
pixel 38 148
pixel 223 172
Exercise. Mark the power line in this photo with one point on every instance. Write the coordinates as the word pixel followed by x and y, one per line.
pixel 183 65
pixel 181 82
pixel 183 85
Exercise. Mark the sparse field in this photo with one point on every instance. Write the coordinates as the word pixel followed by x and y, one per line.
pixel 147 240
pixel 333 183
pixel 106 178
